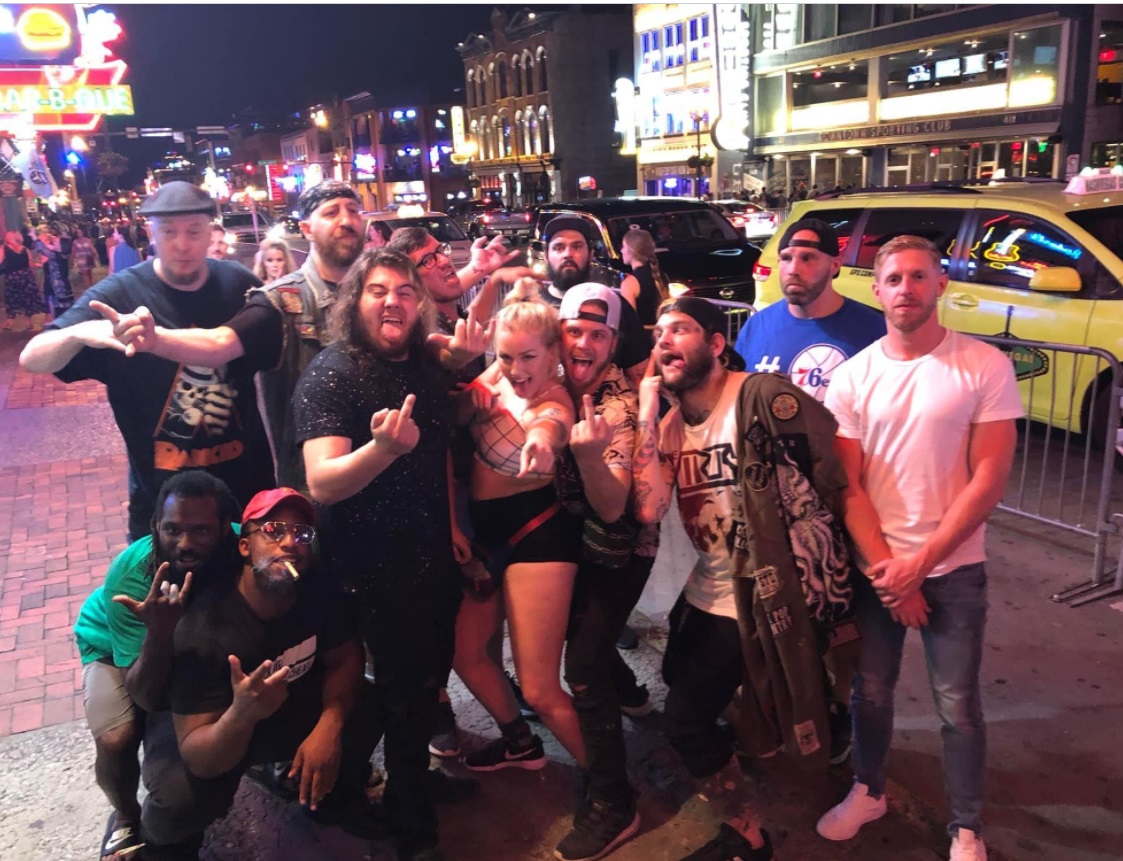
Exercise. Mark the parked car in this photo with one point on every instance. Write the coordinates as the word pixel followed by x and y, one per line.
pixel 699 251
pixel 443 229
pixel 1034 260
pixel 473 216
pixel 755 221
pixel 241 225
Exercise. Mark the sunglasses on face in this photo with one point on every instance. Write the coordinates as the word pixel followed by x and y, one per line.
pixel 275 531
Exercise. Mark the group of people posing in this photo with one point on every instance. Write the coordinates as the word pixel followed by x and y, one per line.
pixel 403 497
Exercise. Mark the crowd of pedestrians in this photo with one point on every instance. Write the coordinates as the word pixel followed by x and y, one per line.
pixel 382 488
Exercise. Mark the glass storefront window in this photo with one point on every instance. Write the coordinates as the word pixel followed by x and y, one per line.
pixel 833 83
pixel 1109 69
pixel 963 63
pixel 768 107
pixel 853 18
pixel 777 26
pixel 820 21
pixel 1035 66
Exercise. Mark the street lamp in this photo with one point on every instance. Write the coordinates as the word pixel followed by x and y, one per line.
pixel 698 161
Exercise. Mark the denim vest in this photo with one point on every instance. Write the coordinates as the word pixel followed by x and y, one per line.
pixel 303 299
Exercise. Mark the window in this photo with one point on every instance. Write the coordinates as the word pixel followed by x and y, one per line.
pixel 470 90
pixel 820 21
pixel 652 57
pixel 939 225
pixel 768 106
pixel 691 229
pixel 502 73
pixel 1109 69
pixel 543 82
pixel 516 78
pixel 1008 248
pixel 1106 224
pixel 481 92
pixel 853 18
pixel 699 39
pixel 1035 66
pixel 547 129
pixel 673 48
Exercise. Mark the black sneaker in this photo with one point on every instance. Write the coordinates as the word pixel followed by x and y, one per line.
pixel 598 829
pixel 274 778
pixel 838 718
pixel 499 755
pixel 445 740
pixel 636 703
pixel 357 815
pixel 627 640
pixel 524 707
pixel 729 845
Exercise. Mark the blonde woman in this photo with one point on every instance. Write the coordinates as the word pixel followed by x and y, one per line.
pixel 519 415
pixel 273 260
pixel 647 286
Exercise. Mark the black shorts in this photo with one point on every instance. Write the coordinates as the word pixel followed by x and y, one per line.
pixel 541 529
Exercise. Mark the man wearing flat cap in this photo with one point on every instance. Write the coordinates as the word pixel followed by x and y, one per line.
pixel 816 329
pixel 172 415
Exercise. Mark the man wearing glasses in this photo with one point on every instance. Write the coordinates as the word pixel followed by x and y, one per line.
pixel 266 670
pixel 284 326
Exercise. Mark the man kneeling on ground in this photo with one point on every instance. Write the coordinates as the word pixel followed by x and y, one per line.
pixel 124 631
pixel 268 670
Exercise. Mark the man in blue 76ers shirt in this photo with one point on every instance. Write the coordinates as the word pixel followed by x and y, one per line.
pixel 816 329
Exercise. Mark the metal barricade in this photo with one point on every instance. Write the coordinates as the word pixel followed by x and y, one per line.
pixel 736 314
pixel 1061 477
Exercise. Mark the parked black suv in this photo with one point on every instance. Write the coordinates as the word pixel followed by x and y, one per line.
pixel 699 250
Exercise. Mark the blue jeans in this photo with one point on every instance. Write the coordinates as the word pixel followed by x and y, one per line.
pixel 953 650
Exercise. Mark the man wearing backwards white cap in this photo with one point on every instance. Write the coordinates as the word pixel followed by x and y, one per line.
pixel 172 416
pixel 595 481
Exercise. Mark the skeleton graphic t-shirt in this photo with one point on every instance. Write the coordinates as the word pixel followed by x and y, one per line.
pixel 174 416
pixel 708 494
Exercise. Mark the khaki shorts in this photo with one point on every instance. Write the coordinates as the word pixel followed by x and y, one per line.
pixel 107 703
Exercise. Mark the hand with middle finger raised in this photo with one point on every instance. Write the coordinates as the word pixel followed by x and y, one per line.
pixel 395 431
pixel 589 437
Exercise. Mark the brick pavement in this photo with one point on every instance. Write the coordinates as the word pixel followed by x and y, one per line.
pixel 61 522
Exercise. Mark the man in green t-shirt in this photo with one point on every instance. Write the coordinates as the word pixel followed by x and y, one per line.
pixel 124 631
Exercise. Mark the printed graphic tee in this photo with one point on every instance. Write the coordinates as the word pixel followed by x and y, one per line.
pixel 808 351
pixel 703 458
pixel 173 416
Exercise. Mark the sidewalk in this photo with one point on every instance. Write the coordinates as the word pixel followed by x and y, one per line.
pixel 1052 680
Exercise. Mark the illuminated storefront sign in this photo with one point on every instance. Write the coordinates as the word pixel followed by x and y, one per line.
pixel 68 78
pixel 625 96
pixel 363 167
pixel 39 33
pixel 731 128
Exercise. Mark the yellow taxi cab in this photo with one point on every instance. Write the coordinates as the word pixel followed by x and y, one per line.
pixel 1034 260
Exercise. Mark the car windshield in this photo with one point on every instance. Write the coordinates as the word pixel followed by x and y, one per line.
pixel 688 230
pixel 243 219
pixel 442 228
pixel 1106 224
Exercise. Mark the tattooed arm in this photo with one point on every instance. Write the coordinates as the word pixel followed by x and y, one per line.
pixel 652 476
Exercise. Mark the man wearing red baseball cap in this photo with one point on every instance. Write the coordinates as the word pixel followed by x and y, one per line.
pixel 267 670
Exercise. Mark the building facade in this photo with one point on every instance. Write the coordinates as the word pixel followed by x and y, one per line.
pixel 403 154
pixel 539 122
pixel 691 72
pixel 890 95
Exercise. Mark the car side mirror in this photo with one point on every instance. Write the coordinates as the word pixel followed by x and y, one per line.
pixel 1056 279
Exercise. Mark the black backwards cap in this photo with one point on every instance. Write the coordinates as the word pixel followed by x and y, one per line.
pixel 827 242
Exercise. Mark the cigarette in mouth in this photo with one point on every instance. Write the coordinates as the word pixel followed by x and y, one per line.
pixel 292 570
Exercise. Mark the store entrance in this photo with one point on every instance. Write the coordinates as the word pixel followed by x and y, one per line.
pixel 1026 157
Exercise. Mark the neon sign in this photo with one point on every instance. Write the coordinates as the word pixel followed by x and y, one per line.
pixel 69 98
pixel 63 98
pixel 1053 245
pixel 38 33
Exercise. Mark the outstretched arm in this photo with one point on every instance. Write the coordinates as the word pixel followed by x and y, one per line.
pixel 652 476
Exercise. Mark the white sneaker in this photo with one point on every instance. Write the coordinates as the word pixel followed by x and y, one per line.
pixel 968 846
pixel 843 820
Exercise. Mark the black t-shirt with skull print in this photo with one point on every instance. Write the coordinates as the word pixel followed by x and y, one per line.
pixel 173 416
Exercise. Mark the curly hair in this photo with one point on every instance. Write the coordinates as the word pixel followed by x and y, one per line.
pixel 266 246
pixel 344 325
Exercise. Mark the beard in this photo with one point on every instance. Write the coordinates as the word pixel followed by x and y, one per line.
pixel 697 366
pixel 911 318
pixel 342 249
pixel 177 278
pixel 808 294
pixel 567 277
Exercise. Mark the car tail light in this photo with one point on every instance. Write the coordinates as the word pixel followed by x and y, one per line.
pixel 526 216
pixel 761 273
pixel 485 218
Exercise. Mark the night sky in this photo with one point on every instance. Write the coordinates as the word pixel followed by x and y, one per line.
pixel 203 64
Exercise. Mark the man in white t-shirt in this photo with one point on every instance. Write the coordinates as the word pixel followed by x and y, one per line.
pixel 692 450
pixel 926 433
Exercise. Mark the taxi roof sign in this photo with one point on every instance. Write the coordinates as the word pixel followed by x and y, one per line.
pixel 1096 180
